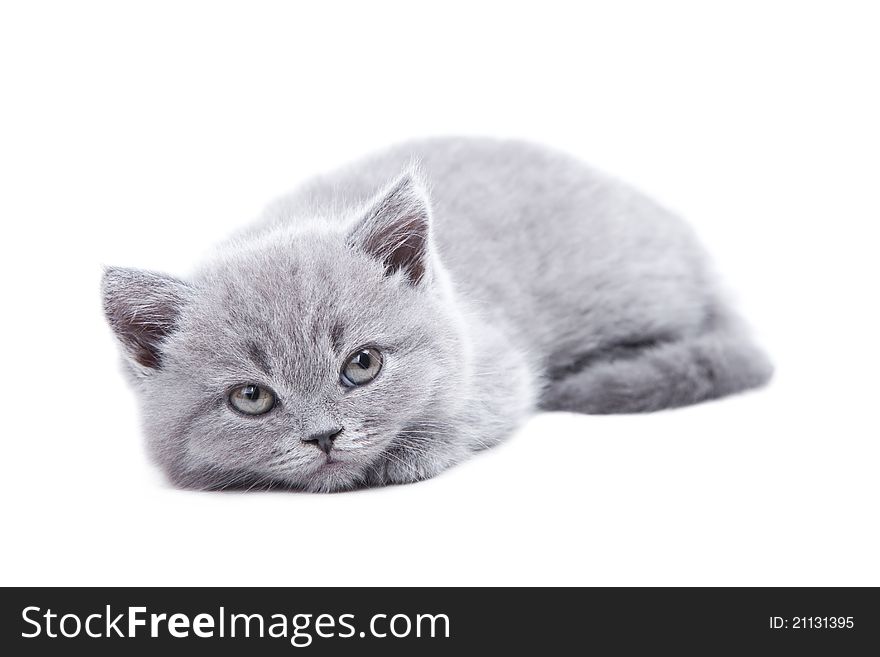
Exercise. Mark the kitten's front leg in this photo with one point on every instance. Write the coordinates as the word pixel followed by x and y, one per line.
pixel 418 453
pixel 489 416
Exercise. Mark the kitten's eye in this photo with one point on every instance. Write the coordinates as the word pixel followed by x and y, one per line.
pixel 362 367
pixel 252 399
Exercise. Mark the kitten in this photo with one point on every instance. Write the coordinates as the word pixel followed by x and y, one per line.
pixel 363 333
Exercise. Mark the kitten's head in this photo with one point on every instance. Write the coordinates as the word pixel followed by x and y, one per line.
pixel 302 356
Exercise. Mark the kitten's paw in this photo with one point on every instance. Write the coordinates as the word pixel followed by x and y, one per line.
pixel 407 468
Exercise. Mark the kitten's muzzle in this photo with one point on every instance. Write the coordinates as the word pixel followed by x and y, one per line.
pixel 323 440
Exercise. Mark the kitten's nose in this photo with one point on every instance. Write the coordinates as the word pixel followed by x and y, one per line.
pixel 323 440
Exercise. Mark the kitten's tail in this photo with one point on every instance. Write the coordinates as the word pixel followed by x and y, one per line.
pixel 668 374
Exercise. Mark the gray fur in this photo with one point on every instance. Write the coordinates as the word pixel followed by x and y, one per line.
pixel 527 281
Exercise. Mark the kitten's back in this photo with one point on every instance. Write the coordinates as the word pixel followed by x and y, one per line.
pixel 568 257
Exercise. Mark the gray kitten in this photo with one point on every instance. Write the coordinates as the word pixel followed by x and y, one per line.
pixel 364 334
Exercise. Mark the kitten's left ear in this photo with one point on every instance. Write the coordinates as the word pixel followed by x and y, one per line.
pixel 142 308
pixel 396 228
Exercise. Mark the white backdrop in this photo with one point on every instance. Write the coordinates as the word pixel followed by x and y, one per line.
pixel 141 134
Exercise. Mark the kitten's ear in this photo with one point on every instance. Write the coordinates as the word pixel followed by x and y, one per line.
pixel 142 307
pixel 396 228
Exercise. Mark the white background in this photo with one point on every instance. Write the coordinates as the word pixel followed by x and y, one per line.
pixel 140 134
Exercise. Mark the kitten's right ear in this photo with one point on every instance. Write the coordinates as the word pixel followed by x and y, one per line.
pixel 396 228
pixel 142 307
